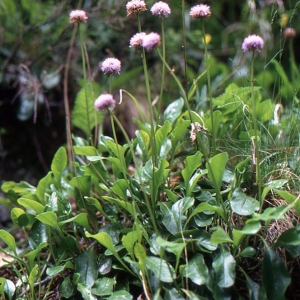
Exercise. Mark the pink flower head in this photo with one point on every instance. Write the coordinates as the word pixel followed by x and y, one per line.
pixel 289 33
pixel 137 40
pixel 78 16
pixel 111 66
pixel 252 42
pixel 134 6
pixel 201 11
pixel 151 40
pixel 161 9
pixel 105 101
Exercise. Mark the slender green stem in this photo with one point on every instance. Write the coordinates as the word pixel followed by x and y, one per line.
pixel 85 79
pixel 110 84
pixel 163 44
pixel 256 141
pixel 150 210
pixel 184 46
pixel 149 101
pixel 209 91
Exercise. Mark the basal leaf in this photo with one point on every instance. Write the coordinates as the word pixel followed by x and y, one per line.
pixel 83 114
pixel 220 236
pixel 86 265
pixel 59 163
pixel 242 204
pixel 275 277
pixel 49 218
pixel 224 265
pixel 103 286
pixel 216 167
pixel 192 163
pixel 196 269
pixel 9 240
pixel 173 110
pixel 80 219
pixel 162 270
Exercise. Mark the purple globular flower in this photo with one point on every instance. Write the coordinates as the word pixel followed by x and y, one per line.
pixel 161 9
pixel 151 41
pixel 201 11
pixel 105 101
pixel 134 6
pixel 78 16
pixel 253 42
pixel 111 66
pixel 137 40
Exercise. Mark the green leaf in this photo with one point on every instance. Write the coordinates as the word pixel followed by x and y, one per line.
pixel 85 150
pixel 173 247
pixel 120 295
pixel 192 163
pixel 31 279
pixel 220 236
pixel 86 265
pixel 275 184
pixel 32 255
pixel 83 114
pixel 162 270
pixel 256 292
pixel 21 218
pixel 66 288
pixel 216 167
pixel 31 205
pixel 56 270
pixel 248 252
pixel 242 204
pixel 140 254
pixel 196 269
pixel 103 286
pixel 49 218
pixel 173 110
pixel 161 135
pixel 9 240
pixel 83 183
pixel 143 141
pixel 289 237
pixel 121 204
pixel 59 163
pixel 80 219
pixel 275 277
pixel 9 289
pixel 224 265
pixel 85 291
pixel 37 235
pixel 129 240
pixel 205 206
pixel 42 187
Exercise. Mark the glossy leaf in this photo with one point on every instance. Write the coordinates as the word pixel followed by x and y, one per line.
pixel 9 289
pixel 49 218
pixel 42 187
pixel 220 236
pixel 161 135
pixel 59 163
pixel 256 292
pixel 242 204
pixel 120 295
pixel 196 269
pixel 56 270
pixel 83 114
pixel 85 150
pixel 275 184
pixel 248 252
pixel 173 110
pixel 224 265
pixel 275 277
pixel 80 219
pixel 86 265
pixel 66 288
pixel 37 235
pixel 192 163
pixel 31 205
pixel 21 218
pixel 85 291
pixel 143 141
pixel 9 240
pixel 32 275
pixel 129 240
pixel 289 237
pixel 140 254
pixel 32 255
pixel 103 286
pixel 216 168
pixel 162 270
